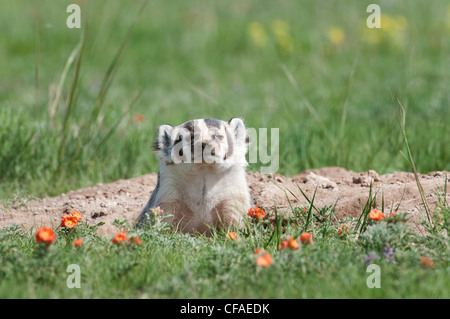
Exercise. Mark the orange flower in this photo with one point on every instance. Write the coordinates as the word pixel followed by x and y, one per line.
pixel 342 230
pixel 69 221
pixel 256 213
pixel 283 244
pixel 257 251
pixel 121 238
pixel 45 235
pixel 137 241
pixel 293 244
pixel 427 262
pixel 394 218
pixel 76 214
pixel 264 260
pixel 78 242
pixel 376 215
pixel 306 238
pixel 231 235
pixel 138 118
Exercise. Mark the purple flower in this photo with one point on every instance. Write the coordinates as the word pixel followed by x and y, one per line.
pixel 388 253
pixel 369 258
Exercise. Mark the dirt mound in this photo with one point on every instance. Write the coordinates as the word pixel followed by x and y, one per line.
pixel 348 190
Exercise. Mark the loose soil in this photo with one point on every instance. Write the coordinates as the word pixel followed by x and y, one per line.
pixel 345 189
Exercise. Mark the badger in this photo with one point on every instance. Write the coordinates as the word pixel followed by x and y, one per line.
pixel 201 179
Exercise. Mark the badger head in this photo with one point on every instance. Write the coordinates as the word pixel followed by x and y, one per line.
pixel 203 142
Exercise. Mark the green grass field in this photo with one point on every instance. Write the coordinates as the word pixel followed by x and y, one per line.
pixel 172 265
pixel 274 64
pixel 81 106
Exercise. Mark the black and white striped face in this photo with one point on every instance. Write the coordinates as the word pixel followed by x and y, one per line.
pixel 203 141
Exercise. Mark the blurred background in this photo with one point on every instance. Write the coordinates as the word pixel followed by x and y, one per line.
pixel 82 106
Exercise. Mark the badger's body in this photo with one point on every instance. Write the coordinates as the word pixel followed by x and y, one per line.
pixel 201 178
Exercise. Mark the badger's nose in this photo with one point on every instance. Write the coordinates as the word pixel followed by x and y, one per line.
pixel 212 152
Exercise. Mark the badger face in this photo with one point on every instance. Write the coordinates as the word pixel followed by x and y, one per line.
pixel 203 142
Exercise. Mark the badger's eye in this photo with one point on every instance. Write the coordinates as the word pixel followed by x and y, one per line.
pixel 219 137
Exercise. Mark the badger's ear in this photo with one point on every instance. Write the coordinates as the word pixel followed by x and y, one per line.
pixel 238 129
pixel 164 139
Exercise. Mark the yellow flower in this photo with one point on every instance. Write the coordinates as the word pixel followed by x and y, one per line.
pixel 258 34
pixel 368 35
pixel 387 24
pixel 336 35
pixel 395 30
pixel 283 36
pixel 286 44
pixel 400 23
pixel 279 28
pixel 392 30
pixel 393 24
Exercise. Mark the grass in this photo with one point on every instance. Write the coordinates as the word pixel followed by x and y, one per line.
pixel 67 116
pixel 173 265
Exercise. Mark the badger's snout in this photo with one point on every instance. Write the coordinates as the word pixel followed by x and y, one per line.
pixel 209 148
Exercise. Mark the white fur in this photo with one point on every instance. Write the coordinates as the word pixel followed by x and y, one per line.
pixel 207 188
